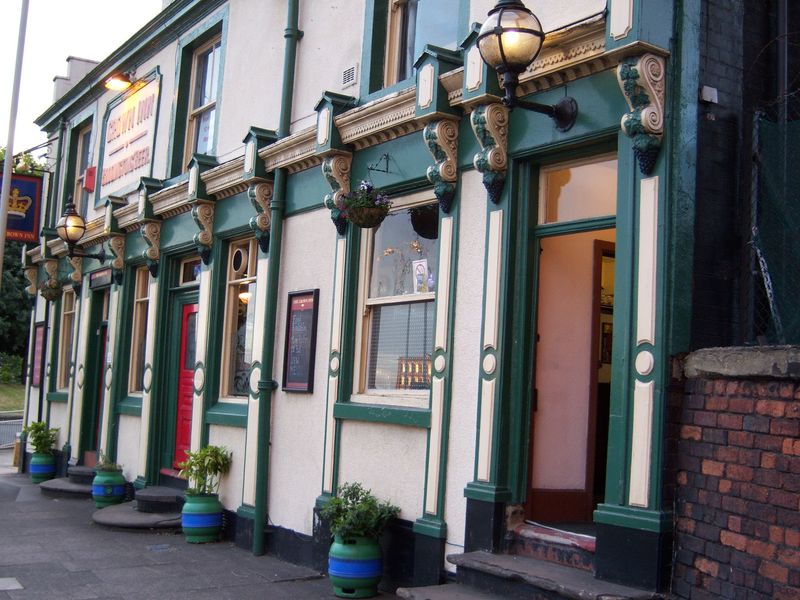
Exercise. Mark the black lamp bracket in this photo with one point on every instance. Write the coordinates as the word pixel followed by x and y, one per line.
pixel 99 256
pixel 564 112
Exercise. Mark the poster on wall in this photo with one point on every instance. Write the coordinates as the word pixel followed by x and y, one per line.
pixel 38 355
pixel 301 341
pixel 24 202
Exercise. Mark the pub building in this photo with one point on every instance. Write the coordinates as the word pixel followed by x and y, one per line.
pixel 494 357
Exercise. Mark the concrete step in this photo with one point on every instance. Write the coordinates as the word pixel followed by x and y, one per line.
pixel 524 578
pixel 80 474
pixel 126 516
pixel 449 591
pixel 553 545
pixel 159 499
pixel 64 487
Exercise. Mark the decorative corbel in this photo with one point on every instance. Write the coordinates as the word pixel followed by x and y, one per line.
pixel 260 195
pixel 336 169
pixel 50 288
pixel 151 232
pixel 116 244
pixel 442 140
pixel 641 79
pixel 76 262
pixel 490 124
pixel 203 215
pixel 32 275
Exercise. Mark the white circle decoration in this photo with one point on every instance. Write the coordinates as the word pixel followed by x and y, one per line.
pixel 489 364
pixel 335 363
pixel 645 362
pixel 108 377
pixel 80 377
pixel 199 379
pixel 255 375
pixel 147 377
pixel 439 363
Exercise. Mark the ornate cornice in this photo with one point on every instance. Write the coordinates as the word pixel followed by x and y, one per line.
pixel 128 217
pixel 171 201
pixel 76 277
pixel 293 153
pixel 203 215
pixel 336 170
pixel 151 232
pixel 95 232
pixel 260 194
pixel 641 79
pixel 441 137
pixel 116 243
pixel 490 125
pixel 226 179
pixel 380 120
pixel 32 275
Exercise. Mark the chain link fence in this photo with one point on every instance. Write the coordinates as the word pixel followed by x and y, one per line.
pixel 773 286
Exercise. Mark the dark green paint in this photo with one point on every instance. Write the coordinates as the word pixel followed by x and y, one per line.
pixel 432 527
pixel 305 191
pixel 408 161
pixel 130 405
pixel 57 397
pixel 377 413
pixel 232 215
pixel 227 413
pixel 177 232
pixel 95 375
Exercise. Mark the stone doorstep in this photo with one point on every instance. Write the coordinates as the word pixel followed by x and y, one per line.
pixel 448 591
pixel 159 499
pixel 553 545
pixel 80 474
pixel 63 487
pixel 126 516
pixel 549 579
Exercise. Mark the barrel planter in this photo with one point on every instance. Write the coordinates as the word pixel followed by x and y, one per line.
pixel 355 567
pixel 42 467
pixel 108 487
pixel 201 518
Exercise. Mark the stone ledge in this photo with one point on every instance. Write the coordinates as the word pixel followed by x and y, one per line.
pixel 761 362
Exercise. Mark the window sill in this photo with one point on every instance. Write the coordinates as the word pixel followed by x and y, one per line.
pixel 227 413
pixel 60 397
pixel 401 399
pixel 132 405
pixel 377 413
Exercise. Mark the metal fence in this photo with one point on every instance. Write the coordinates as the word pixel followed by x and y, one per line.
pixel 773 287
pixel 9 428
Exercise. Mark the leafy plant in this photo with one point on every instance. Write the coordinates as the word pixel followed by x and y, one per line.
pixel 355 512
pixel 104 463
pixel 204 468
pixel 10 368
pixel 41 437
pixel 365 196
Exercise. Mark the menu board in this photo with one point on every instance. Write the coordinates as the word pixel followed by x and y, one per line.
pixel 38 355
pixel 301 341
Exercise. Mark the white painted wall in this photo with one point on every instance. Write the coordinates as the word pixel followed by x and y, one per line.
pixel 553 14
pixel 128 431
pixel 232 438
pixel 298 420
pixel 58 418
pixel 388 459
pixel 466 356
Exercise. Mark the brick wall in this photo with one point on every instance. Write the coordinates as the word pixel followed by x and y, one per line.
pixel 738 487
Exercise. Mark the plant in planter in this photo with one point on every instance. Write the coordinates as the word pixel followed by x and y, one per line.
pixel 108 485
pixel 201 517
pixel 357 519
pixel 50 289
pixel 42 438
pixel 365 206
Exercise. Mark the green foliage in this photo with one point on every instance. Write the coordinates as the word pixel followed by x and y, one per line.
pixel 366 196
pixel 14 302
pixel 104 463
pixel 355 512
pixel 10 368
pixel 41 437
pixel 204 468
pixel 24 163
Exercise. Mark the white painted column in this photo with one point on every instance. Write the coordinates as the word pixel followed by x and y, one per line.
pixel 108 361
pixel 77 392
pixel 147 376
pixel 198 383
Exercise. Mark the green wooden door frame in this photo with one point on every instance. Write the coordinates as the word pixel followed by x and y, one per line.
pixel 94 375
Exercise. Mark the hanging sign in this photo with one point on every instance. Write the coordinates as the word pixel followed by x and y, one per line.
pixel 24 202
pixel 301 341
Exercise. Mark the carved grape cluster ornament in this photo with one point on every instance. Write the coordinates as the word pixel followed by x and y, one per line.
pixel 642 81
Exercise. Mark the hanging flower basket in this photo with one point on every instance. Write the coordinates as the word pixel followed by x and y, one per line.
pixel 365 206
pixel 50 290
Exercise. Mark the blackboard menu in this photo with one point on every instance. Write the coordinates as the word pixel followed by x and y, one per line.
pixel 301 339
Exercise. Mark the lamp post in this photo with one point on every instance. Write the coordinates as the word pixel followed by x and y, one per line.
pixel 70 228
pixel 509 41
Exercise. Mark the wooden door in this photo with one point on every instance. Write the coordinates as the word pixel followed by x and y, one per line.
pixel 186 360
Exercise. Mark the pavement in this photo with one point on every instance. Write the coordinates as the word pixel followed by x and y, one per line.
pixel 50 549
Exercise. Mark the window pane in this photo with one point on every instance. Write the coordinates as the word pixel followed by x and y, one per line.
pixel 139 342
pixel 405 253
pixel 204 140
pixel 401 339
pixel 436 24
pixel 190 271
pixel 191 341
pixel 241 338
pixel 205 86
pixel 579 191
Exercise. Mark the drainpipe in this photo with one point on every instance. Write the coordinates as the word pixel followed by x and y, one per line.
pixel 267 385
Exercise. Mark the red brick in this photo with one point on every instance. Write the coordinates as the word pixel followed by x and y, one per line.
pixel 726 453
pixel 711 567
pixel 770 443
pixel 754 492
pixel 705 418
pixel 740 405
pixel 785 427
pixel 735 523
pixel 690 432
pixel 789 557
pixel 725 485
pixel 784 499
pixel 682 478
pixel 791 446
pixel 773 408
pixel 726 421
pixel 719 387
pixel 776 534
pixel 760 549
pixel 686 525
pixel 716 403
pixel 767 461
pixel 741 438
pixel 712 467
pixel 786 593
pixel 774 571
pixel 793 408
pixel 736 540
pixel 792 538
pixel 787 390
pixel 739 472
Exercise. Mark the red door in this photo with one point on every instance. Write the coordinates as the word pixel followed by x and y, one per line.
pixel 186 360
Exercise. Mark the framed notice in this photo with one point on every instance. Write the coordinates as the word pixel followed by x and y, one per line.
pixel 38 355
pixel 301 341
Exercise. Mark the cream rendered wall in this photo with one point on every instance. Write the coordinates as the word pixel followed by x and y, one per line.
pixel 58 418
pixel 563 360
pixel 230 488
pixel 252 72
pixel 298 420
pixel 33 392
pixel 553 14
pixel 128 432
pixel 331 43
pixel 388 459
pixel 466 356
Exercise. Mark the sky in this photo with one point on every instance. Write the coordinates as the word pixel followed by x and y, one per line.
pixel 57 29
